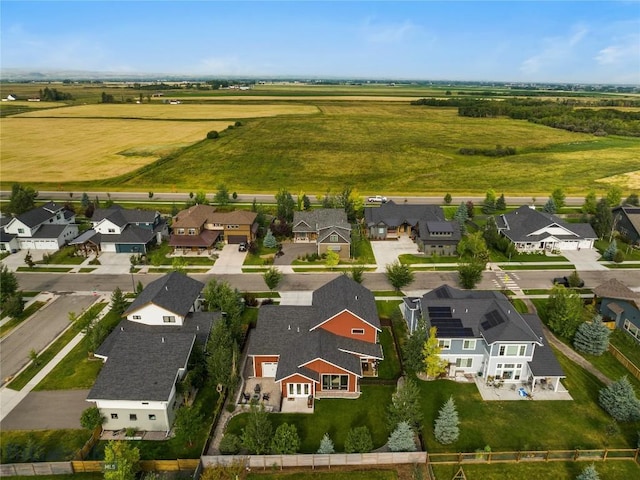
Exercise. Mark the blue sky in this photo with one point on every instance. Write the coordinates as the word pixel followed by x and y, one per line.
pixel 542 41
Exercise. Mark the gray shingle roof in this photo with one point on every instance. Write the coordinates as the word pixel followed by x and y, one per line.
pixel 429 230
pixel 175 292
pixel 520 223
pixel 314 220
pixel 544 362
pixel 122 216
pixel 143 366
pixel 130 234
pixel 393 215
pixel 39 215
pixel 49 231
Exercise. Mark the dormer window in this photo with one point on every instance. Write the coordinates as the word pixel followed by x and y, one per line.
pixel 333 238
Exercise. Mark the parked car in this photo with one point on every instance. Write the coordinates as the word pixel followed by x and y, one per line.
pixel 242 247
pixel 564 281
pixel 377 199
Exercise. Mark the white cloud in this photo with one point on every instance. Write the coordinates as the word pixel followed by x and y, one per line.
pixel 623 50
pixel 556 50
pixel 387 33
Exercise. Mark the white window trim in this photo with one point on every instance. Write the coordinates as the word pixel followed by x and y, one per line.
pixel 357 331
pixel 444 343
pixel 472 343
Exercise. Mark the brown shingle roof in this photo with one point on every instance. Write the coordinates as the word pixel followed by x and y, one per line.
pixel 615 289
pixel 193 217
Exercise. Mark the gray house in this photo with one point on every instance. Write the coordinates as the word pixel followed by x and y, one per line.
pixel 481 333
pixel 146 356
pixel 425 224
pixel 621 305
pixel 627 222
pixel 48 227
pixel 532 231
pixel 328 228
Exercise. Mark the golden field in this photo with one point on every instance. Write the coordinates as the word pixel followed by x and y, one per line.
pixel 173 112
pixel 63 150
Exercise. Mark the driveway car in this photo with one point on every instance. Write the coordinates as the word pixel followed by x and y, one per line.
pixel 377 199
pixel 242 247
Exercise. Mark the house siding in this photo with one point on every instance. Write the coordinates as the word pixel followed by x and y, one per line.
pixel 323 367
pixel 163 411
pixel 152 315
pixel 259 360
pixel 342 324
pixel 630 313
pixel 344 251
pixel 295 379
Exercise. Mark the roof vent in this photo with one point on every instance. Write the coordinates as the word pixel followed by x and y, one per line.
pixel 509 311
pixel 166 287
pixel 453 310
pixel 162 339
pixel 289 327
pixel 466 310
pixel 298 329
pixel 122 329
pixel 197 328
pixel 356 297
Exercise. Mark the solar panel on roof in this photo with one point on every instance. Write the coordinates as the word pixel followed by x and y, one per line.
pixel 439 309
pixel 493 318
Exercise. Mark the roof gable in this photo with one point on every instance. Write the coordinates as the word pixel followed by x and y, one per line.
pixel 525 222
pixel 175 292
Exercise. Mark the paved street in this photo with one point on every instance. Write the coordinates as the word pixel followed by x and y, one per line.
pixel 37 332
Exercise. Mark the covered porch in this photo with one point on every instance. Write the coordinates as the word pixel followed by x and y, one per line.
pixel 500 391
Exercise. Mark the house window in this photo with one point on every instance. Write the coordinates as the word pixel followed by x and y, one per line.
pixel 137 317
pixel 114 416
pixel 333 238
pixel 169 319
pixel 469 344
pixel 444 344
pixel 464 362
pixel 133 417
pixel 298 389
pixel 152 417
pixel 112 230
pixel 512 350
pixel 357 331
pixel 509 371
pixel 192 231
pixel 632 329
pixel 381 230
pixel 180 231
pixel 21 230
pixel 335 382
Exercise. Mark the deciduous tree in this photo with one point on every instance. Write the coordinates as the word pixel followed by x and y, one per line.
pixel 412 350
pixel 590 203
pixel 447 198
pixel 222 195
pixel 614 196
pixel 565 311
pixel 285 440
pixel 272 277
pixel 358 440
pixel 285 205
pixel 91 418
pixel 559 198
pixel 121 460
pixel 8 283
pixel 602 221
pixel 22 199
pixel 256 435
pixel 434 365
pixel 399 275
pixel 187 424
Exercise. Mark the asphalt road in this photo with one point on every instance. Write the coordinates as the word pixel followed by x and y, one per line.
pixel 54 282
pixel 269 198
pixel 37 332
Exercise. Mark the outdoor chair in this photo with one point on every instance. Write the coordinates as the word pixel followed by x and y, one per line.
pixel 246 396
pixel 266 396
pixel 257 388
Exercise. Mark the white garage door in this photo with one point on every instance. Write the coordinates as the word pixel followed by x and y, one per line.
pixel 269 369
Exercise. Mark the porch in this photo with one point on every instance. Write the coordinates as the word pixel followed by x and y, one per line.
pixel 261 390
pixel 492 391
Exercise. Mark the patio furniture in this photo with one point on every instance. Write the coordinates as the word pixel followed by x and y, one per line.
pixel 522 392
pixel 246 396
pixel 255 397
pixel 257 388
pixel 266 396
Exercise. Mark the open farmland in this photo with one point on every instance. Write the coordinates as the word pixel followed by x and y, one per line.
pixel 66 150
pixel 395 148
pixel 172 112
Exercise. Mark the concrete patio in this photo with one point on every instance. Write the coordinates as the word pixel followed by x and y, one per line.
pixel 509 391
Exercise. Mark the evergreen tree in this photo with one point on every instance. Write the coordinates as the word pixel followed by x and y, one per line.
pixel 22 199
pixel 434 365
pixel 402 439
pixel 470 209
pixel 85 200
pixel 633 200
pixel 269 240
pixel 326 445
pixel 589 473
pixel 489 204
pixel 222 195
pixel 447 198
pixel 118 302
pixel 611 250
pixel 550 206
pixel 501 203
pixel 446 428
pixel 412 350
pixel 405 406
pixel 602 221
pixel 256 435
pixel 358 440
pixel 461 216
pixel 306 202
pixel 286 440
pixel 592 337
pixel 285 205
pixel 619 400
pixel 8 283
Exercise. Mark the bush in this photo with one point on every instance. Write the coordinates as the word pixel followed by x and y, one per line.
pixel 250 299
pixel 213 134
pixel 358 440
pixel 618 257
pixel 230 444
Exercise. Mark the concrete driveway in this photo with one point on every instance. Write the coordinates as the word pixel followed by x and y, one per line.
pixel 584 259
pixel 387 251
pixel 229 260
pixel 16 260
pixel 38 331
pixel 294 250
pixel 296 298
pixel 53 410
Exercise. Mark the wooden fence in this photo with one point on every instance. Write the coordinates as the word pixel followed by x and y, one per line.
pixel 534 456
pixel 89 444
pixel 629 365
pixel 81 466
pixel 318 460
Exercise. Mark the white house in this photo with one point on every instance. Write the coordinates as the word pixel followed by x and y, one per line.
pixel 48 227
pixel 147 355
pixel 533 231
pixel 481 333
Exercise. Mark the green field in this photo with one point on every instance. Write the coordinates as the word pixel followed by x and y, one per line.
pixel 367 136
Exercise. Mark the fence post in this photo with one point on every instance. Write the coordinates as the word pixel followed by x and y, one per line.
pixel 575 455
pixel 546 457
pixel 606 451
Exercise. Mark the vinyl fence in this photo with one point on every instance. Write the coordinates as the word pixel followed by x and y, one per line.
pixel 317 460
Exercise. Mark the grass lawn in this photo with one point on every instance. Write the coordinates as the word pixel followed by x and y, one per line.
pixel 520 425
pixel 76 370
pixel 389 368
pixel 521 307
pixel 256 258
pixel 555 266
pixel 387 293
pixel 26 313
pixel 159 255
pixel 627 345
pixel 58 445
pixel 496 256
pixel 361 250
pixel 64 256
pixel 411 259
pixel 629 253
pixel 612 368
pixel 86 270
pixel 45 357
pixel 44 269
pixel 610 470
pixel 388 308
pixel 623 265
pixel 75 476
pixel 206 402
pixel 333 475
pixel 336 417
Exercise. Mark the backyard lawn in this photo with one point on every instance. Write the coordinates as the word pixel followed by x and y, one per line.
pixel 336 417
pixel 389 368
pixel 56 445
pixel 627 345
pixel 526 425
pixel 309 475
